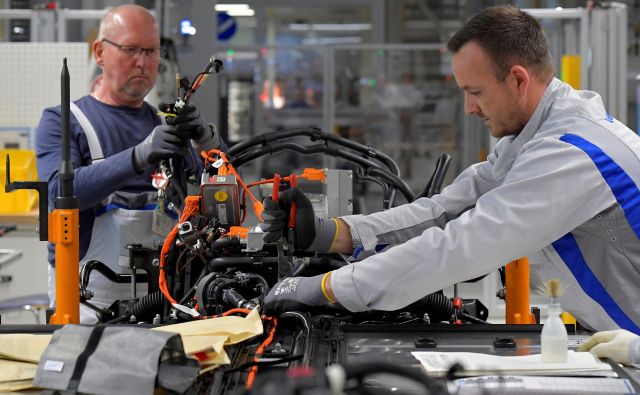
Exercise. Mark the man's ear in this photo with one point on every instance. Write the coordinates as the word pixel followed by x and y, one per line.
pixel 522 78
pixel 97 52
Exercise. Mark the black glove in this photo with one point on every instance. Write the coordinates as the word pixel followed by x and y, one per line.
pixel 294 294
pixel 162 143
pixel 276 218
pixel 188 122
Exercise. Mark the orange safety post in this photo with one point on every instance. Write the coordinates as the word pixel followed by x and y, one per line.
pixel 64 233
pixel 64 223
pixel 517 293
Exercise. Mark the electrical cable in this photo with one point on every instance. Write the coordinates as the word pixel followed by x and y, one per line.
pixel 372 167
pixel 225 168
pixel 314 134
pixel 264 363
pixel 260 350
pixel 191 207
pixel 260 145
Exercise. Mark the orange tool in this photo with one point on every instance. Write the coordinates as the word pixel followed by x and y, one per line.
pixel 276 187
pixel 284 267
pixel 291 235
pixel 60 226
pixel 65 222
pixel 292 216
pixel 517 293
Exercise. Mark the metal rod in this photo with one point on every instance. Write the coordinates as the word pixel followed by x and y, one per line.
pixel 65 172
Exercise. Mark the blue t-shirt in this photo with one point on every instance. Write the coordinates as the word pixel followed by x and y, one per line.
pixel 119 130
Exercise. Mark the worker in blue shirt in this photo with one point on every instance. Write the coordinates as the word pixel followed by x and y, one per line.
pixel 117 141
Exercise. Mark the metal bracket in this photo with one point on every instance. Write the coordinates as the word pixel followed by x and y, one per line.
pixel 43 199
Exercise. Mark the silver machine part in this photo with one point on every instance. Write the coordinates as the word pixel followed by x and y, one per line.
pixel 333 198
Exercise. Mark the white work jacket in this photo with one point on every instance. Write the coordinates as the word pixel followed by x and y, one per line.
pixel 564 191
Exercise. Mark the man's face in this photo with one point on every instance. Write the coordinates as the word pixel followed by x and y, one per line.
pixel 130 77
pixel 497 103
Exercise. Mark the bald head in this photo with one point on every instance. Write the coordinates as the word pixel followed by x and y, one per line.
pixel 128 51
pixel 123 18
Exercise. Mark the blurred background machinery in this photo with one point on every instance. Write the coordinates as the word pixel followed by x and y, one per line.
pixel 372 71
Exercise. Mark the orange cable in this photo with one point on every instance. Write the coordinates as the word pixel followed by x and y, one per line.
pixel 257 205
pixel 236 310
pixel 191 206
pixel 265 344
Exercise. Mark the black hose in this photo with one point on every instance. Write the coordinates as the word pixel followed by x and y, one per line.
pixel 437 305
pixel 304 149
pixel 148 306
pixel 245 262
pixel 371 167
pixel 397 182
pixel 439 179
pixel 223 242
pixel 434 186
pixel 262 283
pixel 90 266
pixel 314 134
pixel 386 195
pixel 258 146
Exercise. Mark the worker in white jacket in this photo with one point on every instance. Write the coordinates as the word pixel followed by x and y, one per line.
pixel 560 187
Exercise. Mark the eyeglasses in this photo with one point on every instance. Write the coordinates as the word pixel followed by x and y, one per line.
pixel 134 52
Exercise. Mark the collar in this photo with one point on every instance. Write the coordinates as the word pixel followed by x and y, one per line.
pixel 509 147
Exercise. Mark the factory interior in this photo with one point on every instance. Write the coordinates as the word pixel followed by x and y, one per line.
pixel 319 197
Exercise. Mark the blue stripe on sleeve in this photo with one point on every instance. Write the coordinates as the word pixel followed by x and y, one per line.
pixel 628 196
pixel 568 249
pixel 622 186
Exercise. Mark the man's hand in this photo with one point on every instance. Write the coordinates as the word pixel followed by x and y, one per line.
pixel 189 123
pixel 294 294
pixel 276 218
pixel 162 143
pixel 611 344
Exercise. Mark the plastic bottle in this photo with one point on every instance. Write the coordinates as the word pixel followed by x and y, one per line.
pixel 554 337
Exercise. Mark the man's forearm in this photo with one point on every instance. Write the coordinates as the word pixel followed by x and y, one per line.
pixel 342 244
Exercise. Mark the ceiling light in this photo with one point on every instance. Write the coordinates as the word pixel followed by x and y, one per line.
pixel 231 7
pixel 331 40
pixel 330 26
pixel 235 9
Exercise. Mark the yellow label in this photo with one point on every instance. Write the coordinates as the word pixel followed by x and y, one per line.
pixel 221 196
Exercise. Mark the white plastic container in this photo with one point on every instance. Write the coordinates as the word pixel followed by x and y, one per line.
pixel 554 337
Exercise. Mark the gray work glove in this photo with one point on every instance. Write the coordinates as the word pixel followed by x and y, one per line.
pixel 294 294
pixel 162 143
pixel 616 345
pixel 311 232
pixel 189 123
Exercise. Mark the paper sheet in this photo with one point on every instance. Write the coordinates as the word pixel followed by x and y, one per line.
pixel 482 364
pixel 23 347
pixel 194 344
pixel 236 328
pixel 14 370
pixel 15 385
pixel 574 385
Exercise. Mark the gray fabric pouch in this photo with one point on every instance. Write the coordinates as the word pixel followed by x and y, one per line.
pixel 114 360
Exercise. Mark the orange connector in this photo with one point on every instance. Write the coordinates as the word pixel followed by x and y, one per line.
pixel 238 231
pixel 313 174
